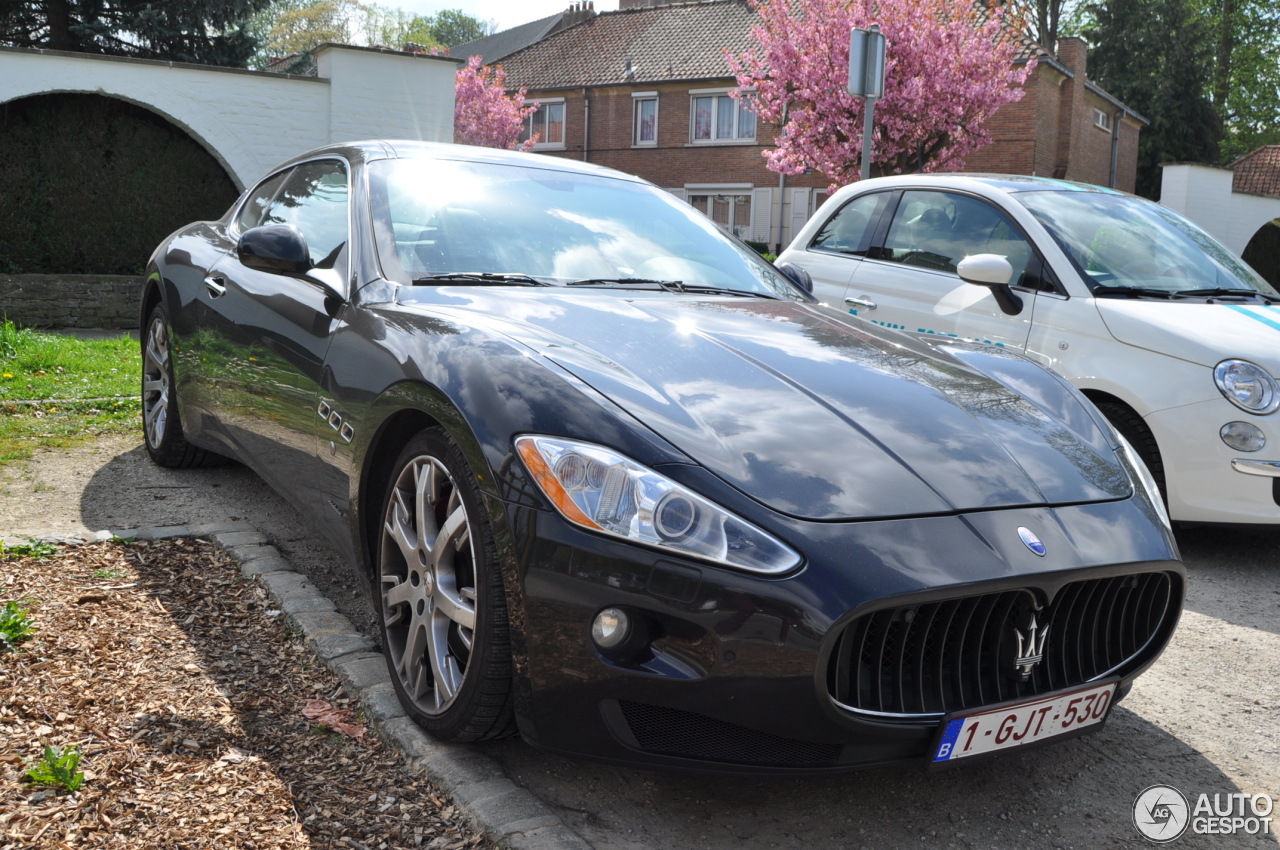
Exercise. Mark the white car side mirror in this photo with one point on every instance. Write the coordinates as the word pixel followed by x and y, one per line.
pixel 985 270
pixel 993 272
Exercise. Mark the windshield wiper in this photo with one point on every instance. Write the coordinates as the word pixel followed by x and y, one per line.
pixel 669 286
pixel 1137 292
pixel 720 290
pixel 1248 293
pixel 481 279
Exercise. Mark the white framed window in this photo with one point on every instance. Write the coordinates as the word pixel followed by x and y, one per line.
pixel 716 117
pixel 727 204
pixel 547 122
pixel 1101 120
pixel 644 118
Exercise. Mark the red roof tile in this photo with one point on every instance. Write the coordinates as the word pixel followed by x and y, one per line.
pixel 677 42
pixel 1258 172
pixel 674 41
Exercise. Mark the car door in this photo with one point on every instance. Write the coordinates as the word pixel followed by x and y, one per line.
pixel 841 244
pixel 272 331
pixel 197 319
pixel 909 281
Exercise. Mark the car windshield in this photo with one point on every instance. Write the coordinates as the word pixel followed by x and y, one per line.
pixel 1126 242
pixel 456 219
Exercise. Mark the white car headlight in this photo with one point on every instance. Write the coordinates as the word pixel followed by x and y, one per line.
pixel 601 490
pixel 1247 386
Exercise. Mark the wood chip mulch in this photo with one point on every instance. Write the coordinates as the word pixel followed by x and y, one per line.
pixel 186 694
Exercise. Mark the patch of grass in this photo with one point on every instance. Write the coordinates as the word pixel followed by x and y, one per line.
pixel 15 625
pixel 58 768
pixel 109 575
pixel 69 378
pixel 31 549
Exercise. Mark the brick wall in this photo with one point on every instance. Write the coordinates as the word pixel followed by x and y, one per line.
pixel 1051 131
pixel 674 161
pixel 71 301
pixel 1015 131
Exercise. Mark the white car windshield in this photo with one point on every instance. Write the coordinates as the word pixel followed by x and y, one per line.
pixel 1121 242
pixel 442 220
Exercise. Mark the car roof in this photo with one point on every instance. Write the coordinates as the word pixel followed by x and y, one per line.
pixel 1008 183
pixel 368 150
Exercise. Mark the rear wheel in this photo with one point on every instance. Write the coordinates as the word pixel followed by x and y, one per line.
pixel 1133 429
pixel 441 601
pixel 161 423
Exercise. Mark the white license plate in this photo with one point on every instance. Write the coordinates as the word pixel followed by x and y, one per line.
pixel 1017 724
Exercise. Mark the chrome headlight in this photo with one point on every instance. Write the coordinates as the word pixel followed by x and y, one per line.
pixel 601 490
pixel 1144 476
pixel 1247 386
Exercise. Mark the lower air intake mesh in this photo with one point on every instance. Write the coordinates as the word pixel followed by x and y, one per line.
pixel 668 731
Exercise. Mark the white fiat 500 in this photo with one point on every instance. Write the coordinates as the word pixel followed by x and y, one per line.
pixel 1171 335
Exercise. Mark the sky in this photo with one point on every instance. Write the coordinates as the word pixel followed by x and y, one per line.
pixel 506 13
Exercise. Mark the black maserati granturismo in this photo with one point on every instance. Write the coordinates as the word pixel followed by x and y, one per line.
pixel 617 483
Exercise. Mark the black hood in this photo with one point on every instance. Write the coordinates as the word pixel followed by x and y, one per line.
pixel 811 412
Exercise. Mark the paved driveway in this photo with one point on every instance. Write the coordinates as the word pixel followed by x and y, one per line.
pixel 1205 719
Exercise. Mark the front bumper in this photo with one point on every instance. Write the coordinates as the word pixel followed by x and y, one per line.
pixel 1204 482
pixel 738 679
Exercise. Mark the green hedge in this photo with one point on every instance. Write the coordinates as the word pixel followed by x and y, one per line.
pixel 91 184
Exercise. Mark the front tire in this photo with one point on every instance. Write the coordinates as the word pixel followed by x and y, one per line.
pixel 440 597
pixel 161 424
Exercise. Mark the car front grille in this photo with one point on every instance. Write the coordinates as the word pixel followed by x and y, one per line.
pixel 669 731
pixel 938 657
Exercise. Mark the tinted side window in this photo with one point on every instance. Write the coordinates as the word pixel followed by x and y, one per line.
pixel 936 230
pixel 849 231
pixel 251 212
pixel 314 199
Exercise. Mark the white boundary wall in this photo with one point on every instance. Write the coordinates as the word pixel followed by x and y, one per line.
pixel 250 120
pixel 1203 194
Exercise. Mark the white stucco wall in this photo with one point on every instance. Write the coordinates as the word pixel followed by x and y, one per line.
pixel 387 94
pixel 1203 194
pixel 248 120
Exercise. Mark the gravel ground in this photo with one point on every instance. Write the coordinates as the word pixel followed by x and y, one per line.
pixel 1205 718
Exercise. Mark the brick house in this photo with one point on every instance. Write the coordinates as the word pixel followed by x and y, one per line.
pixel 645 90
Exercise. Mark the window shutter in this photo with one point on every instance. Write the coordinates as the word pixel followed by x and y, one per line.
pixel 799 212
pixel 761 214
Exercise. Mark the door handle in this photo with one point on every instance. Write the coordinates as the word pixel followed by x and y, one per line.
pixel 216 284
pixel 861 301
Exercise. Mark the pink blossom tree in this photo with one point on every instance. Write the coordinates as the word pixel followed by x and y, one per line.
pixel 484 114
pixel 949 67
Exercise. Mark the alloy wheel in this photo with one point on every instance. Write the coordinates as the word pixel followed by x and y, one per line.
pixel 155 382
pixel 428 584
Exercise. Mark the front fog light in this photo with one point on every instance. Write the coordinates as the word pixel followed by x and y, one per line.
pixel 1243 437
pixel 610 628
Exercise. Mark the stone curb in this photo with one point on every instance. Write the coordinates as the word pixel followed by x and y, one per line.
pixel 509 815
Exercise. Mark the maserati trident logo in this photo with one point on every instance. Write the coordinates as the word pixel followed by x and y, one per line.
pixel 1030 648
pixel 1032 542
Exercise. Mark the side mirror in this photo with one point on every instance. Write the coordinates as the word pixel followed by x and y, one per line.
pixel 275 248
pixel 994 272
pixel 799 276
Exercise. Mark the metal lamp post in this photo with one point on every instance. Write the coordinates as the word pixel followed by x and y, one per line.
pixel 866 80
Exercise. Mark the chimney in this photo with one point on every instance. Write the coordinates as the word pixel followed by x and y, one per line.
pixel 1073 52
